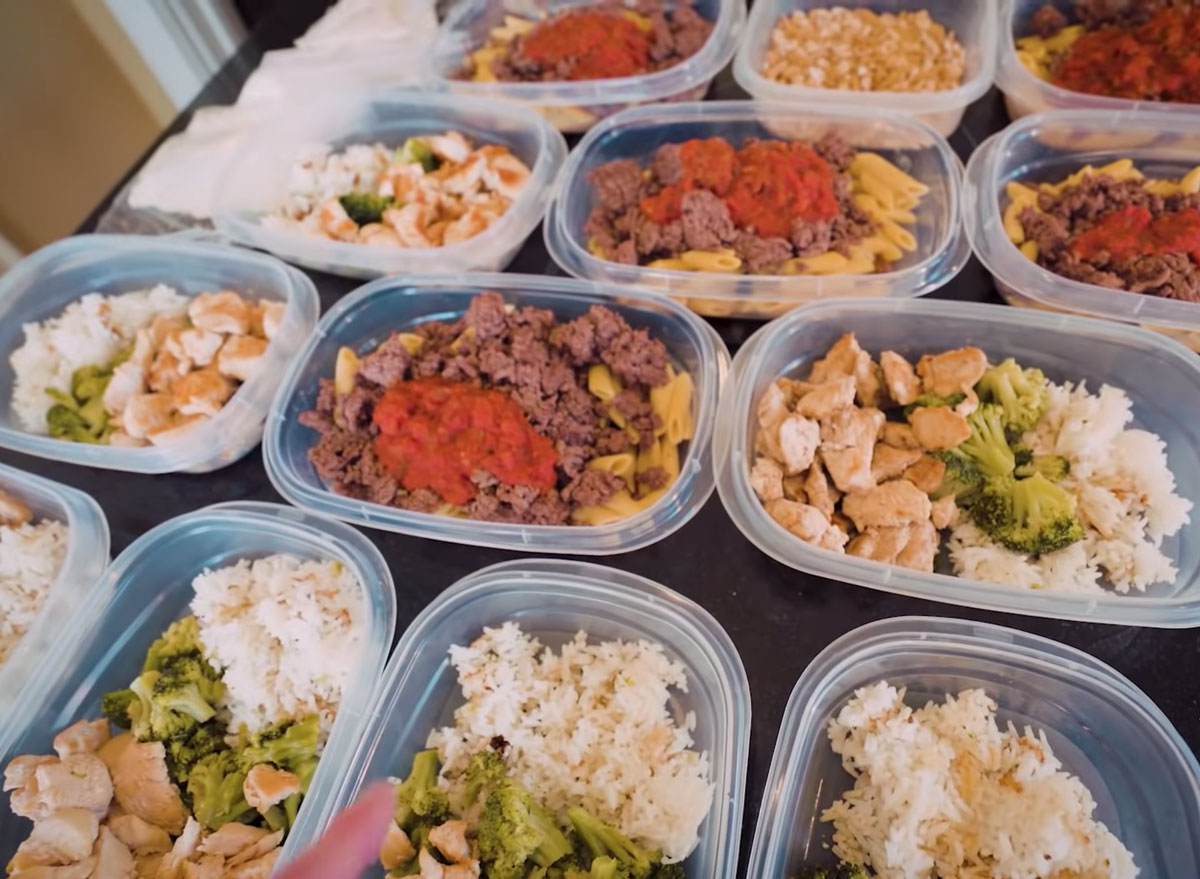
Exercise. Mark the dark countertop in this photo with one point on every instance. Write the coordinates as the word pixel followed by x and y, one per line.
pixel 778 618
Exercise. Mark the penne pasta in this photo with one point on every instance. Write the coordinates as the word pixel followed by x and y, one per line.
pixel 898 235
pixel 601 383
pixel 724 261
pixel 623 464
pixel 677 265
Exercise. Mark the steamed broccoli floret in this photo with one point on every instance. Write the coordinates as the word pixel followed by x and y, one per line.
pixel 179 696
pixel 184 753
pixel 1033 515
pixel 418 150
pixel 66 423
pixel 933 401
pixel 601 840
pixel 90 382
pixel 215 788
pixel 484 772
pixel 193 668
pixel 365 207
pixel 987 444
pixel 602 868
pixel 181 639
pixel 115 706
pixel 515 830
pixel 1020 393
pixel 668 871
pixel 1053 467
pixel 141 712
pixel 418 796
pixel 288 745
pixel 962 478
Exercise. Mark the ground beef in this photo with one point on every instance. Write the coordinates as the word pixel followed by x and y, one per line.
pixel 762 255
pixel 667 167
pixel 835 150
pixel 1060 218
pixel 1048 21
pixel 654 478
pixel 618 185
pixel 706 221
pixel 542 364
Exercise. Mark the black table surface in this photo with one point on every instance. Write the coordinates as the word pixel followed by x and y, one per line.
pixel 778 618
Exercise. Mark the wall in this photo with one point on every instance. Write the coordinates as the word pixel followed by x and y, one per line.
pixel 71 123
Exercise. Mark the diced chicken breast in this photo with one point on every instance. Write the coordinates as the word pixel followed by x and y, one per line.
pixel 450 147
pixel 944 512
pixel 145 413
pixel 898 435
pixel 851 427
pixel 202 392
pixel 806 522
pixel 163 326
pixel 850 469
pixel 798 441
pixel 938 428
pixel 397 848
pixel 926 474
pixel 969 404
pixel 772 408
pixel 185 845
pixel 894 503
pixel 208 867
pixel 79 781
pixel 139 835
pixel 259 868
pixel 888 462
pixel 20 770
pixel 465 870
pixel 231 839
pixel 143 787
pixel 793 389
pixel 833 539
pixel 793 488
pixel 110 752
pixel 839 361
pixel 825 399
pixel 270 317
pixel 379 235
pixel 223 312
pixel 146 866
pixel 80 870
pixel 766 478
pixel 265 786
pixel 900 378
pixel 264 846
pixel 868 382
pixel 164 371
pixel 880 544
pixel 450 838
pixel 199 346
pixel 128 380
pixel 83 737
pixel 952 372
pixel 64 837
pixel 920 550
pixel 431 868
pixel 240 356
pixel 114 860
pixel 818 490
pixel 13 513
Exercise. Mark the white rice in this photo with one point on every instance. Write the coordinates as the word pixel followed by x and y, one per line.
pixel 943 791
pixel 285 632
pixel 30 558
pixel 590 726
pixel 1125 495
pixel 90 331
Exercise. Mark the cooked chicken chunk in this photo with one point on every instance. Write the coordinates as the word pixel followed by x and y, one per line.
pixel 450 839
pixel 146 413
pixel 223 312
pixel 208 867
pixel 806 522
pixel 818 490
pixel 179 427
pixel 880 544
pixel 265 786
pixel 888 462
pixel 231 839
pixel 264 846
pixel 793 488
pixel 20 770
pixel 773 407
pixel 110 752
pixel 900 378
pixel 13 513
pixel 893 503
pixel 268 317
pixel 840 360
pixel 825 399
pixel 83 737
pixel 114 860
pixel 259 868
pixel 128 380
pixel 833 539
pixel 926 474
pixel 798 441
pixel 79 870
pixel 920 550
pixel 938 428
pixel 850 469
pixel 240 356
pixel 397 849
pixel 431 868
pixel 146 866
pixel 465 870
pixel 969 403
pixel 868 382
pixel 898 435
pixel 172 863
pixel 202 392
pixel 78 781
pixel 766 478
pixel 851 427
pixel 793 389
pixel 144 789
pixel 198 346
pixel 952 372
pixel 165 371
pixel 163 326
pixel 944 512
pixel 64 837
pixel 140 835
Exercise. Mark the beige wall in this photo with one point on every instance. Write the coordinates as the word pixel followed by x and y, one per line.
pixel 71 123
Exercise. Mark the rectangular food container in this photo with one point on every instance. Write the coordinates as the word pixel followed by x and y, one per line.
pixel 46 282
pixel 974 24
pixel 84 562
pixel 149 586
pixel 553 600
pixel 1161 377
pixel 942 248
pixel 574 106
pixel 365 318
pixel 256 181
pixel 1025 93
pixel 1046 149
pixel 1106 731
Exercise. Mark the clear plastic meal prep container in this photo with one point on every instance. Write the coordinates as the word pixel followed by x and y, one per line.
pixel 1046 149
pixel 85 559
pixel 42 285
pixel 942 248
pixel 1025 93
pixel 1107 732
pixel 552 600
pixel 368 316
pixel 1161 377
pixel 256 182
pixel 574 106
pixel 974 23
pixel 149 586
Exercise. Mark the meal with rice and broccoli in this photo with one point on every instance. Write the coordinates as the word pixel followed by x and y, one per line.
pixel 1034 484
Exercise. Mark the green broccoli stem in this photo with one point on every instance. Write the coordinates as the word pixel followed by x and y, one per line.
pixel 602 839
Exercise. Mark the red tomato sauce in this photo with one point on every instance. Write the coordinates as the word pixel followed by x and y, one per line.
pixel 435 434
pixel 766 185
pixel 1157 60
pixel 1133 232
pixel 590 45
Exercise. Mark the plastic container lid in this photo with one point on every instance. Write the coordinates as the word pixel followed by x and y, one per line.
pixel 84 562
pixel 1161 377
pixel 1106 731
pixel 1048 148
pixel 256 183
pixel 149 586
pixel 942 247
pixel 575 106
pixel 365 318
pixel 553 600
pixel 46 282
pixel 1025 93
pixel 974 24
